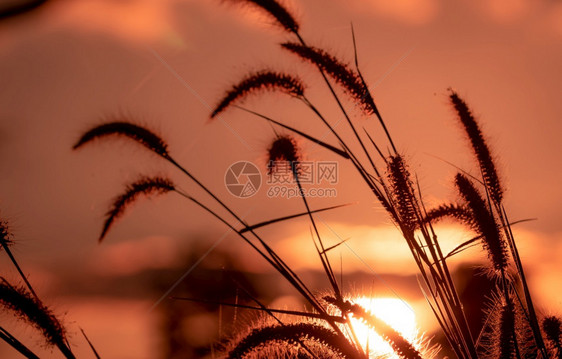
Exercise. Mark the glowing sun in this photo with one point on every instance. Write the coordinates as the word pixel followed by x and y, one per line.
pixel 396 313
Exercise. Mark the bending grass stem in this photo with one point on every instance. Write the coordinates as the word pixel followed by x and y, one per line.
pixel 273 258
pixel 375 109
pixel 519 265
pixel 18 268
pixel 340 105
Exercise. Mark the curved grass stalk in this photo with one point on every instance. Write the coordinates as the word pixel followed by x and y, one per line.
pixel 284 148
pixel 374 106
pixel 327 63
pixel 327 146
pixel 90 344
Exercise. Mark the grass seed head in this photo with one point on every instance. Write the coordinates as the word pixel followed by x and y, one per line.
pixel 479 146
pixel 484 223
pixel 126 129
pixel 291 337
pixel 143 186
pixel 277 11
pixel 552 328
pixel 5 234
pixel 30 309
pixel 402 190
pixel 283 151
pixel 507 331
pixel 454 211
pixel 260 81
pixel 340 72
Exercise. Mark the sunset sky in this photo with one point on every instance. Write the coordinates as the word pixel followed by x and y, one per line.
pixel 165 63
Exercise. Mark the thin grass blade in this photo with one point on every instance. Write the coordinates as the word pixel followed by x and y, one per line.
pixel 281 219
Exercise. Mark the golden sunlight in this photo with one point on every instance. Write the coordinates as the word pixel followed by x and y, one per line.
pixel 396 313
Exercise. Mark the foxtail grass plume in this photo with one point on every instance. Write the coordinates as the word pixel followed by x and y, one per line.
pixel 402 347
pixel 552 328
pixel 451 210
pixel 31 310
pixel 500 329
pixel 340 72
pixel 292 336
pixel 283 151
pixel 506 343
pixel 479 146
pixel 526 344
pixel 484 223
pixel 144 186
pixel 402 190
pixel 126 129
pixel 259 81
pixel 5 234
pixel 276 10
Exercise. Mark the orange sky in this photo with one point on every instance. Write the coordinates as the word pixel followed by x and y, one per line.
pixel 165 62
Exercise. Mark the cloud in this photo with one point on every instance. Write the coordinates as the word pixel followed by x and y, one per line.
pixel 543 15
pixel 379 248
pixel 383 250
pixel 133 256
pixel 413 12
pixel 556 18
pixel 133 20
pixel 540 253
pixel 504 11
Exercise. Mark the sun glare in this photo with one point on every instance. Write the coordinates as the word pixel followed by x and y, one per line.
pixel 396 313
